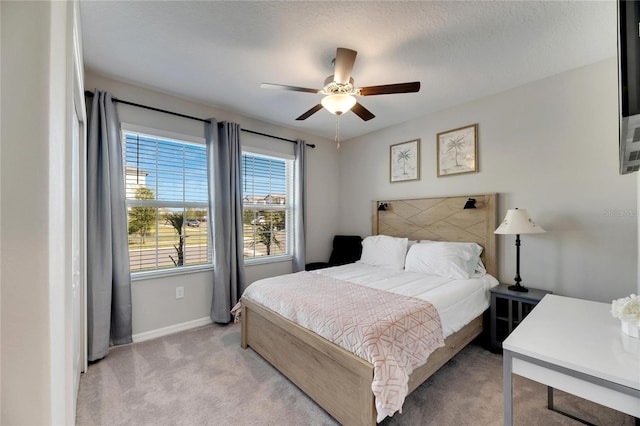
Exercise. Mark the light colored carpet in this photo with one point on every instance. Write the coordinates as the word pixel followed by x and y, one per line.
pixel 203 377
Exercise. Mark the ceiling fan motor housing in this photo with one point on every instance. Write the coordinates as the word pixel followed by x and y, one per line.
pixel 331 87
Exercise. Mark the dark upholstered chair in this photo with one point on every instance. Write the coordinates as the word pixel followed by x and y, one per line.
pixel 346 249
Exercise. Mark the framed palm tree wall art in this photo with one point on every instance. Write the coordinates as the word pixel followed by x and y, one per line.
pixel 404 161
pixel 458 151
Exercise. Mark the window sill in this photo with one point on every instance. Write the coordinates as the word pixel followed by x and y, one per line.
pixel 270 259
pixel 141 276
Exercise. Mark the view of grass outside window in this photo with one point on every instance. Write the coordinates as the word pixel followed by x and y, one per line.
pixel 166 194
pixel 267 207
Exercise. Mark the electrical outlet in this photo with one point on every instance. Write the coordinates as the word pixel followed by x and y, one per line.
pixel 179 292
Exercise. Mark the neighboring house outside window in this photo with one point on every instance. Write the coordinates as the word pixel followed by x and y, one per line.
pixel 167 203
pixel 267 206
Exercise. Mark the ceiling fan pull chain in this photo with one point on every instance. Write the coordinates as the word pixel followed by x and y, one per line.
pixel 338 132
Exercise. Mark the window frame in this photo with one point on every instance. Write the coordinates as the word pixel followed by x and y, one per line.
pixel 289 206
pixel 172 137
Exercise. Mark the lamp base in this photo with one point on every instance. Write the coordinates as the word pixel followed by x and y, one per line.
pixel 518 288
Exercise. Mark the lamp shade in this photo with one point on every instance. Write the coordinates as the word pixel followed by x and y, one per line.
pixel 517 221
pixel 338 103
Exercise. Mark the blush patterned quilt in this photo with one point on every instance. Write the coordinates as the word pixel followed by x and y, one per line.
pixel 393 332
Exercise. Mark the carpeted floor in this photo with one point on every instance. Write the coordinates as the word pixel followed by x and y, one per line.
pixel 203 377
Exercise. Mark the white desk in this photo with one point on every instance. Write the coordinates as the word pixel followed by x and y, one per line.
pixel 576 346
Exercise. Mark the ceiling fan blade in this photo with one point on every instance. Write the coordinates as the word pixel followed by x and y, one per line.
pixel 285 87
pixel 388 89
pixel 310 112
pixel 362 112
pixel 345 58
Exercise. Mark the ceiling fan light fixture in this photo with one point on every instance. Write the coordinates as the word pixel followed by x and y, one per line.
pixel 338 104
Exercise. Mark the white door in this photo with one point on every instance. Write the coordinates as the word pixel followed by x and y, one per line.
pixel 76 262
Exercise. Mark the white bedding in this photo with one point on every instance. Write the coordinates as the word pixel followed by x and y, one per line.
pixel 457 301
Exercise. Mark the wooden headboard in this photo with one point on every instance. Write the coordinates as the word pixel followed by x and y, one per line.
pixel 442 219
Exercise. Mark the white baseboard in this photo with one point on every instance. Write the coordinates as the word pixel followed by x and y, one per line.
pixel 147 335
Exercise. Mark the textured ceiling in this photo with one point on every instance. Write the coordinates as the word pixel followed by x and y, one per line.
pixel 219 52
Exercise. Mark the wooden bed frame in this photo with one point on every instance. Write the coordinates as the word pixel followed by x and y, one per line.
pixel 337 380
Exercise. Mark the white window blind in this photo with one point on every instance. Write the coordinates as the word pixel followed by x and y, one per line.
pixel 267 205
pixel 166 193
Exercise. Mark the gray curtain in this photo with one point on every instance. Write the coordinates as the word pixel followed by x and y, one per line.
pixel 108 277
pixel 224 164
pixel 300 201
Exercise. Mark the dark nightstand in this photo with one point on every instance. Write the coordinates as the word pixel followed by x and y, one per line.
pixel 508 308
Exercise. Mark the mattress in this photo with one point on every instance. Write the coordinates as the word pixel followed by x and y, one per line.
pixel 457 301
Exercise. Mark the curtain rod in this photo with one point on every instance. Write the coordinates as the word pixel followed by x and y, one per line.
pixel 90 94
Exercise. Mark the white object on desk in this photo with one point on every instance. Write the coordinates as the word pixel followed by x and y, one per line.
pixel 631 328
pixel 576 346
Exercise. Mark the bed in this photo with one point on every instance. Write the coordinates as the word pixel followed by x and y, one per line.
pixel 335 378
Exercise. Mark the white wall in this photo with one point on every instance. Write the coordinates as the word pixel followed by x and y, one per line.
pixel 0 220
pixel 550 147
pixel 154 303
pixel 34 250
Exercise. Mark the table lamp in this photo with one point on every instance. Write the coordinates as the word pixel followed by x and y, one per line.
pixel 517 222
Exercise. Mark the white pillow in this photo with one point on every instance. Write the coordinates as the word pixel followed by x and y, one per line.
pixel 457 261
pixel 479 269
pixel 382 250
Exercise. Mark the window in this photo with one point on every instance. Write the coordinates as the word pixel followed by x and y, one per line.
pixel 267 206
pixel 166 194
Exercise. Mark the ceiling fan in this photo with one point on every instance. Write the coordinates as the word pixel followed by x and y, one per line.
pixel 340 90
